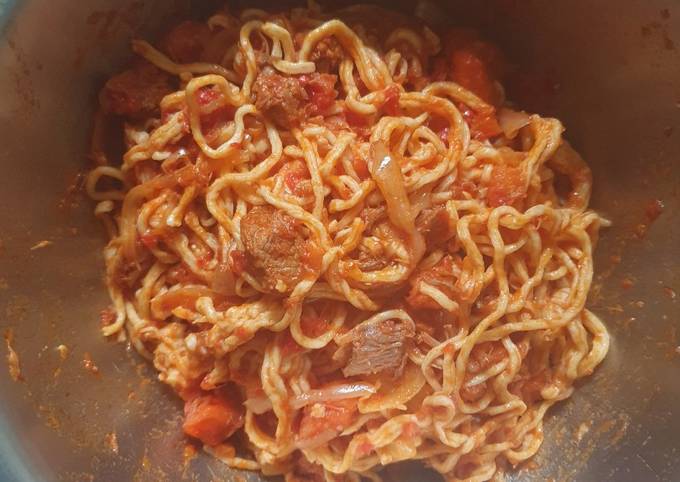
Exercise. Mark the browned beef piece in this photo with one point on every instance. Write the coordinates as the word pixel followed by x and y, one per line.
pixel 370 216
pixel 282 99
pixel 433 224
pixel 277 251
pixel 379 347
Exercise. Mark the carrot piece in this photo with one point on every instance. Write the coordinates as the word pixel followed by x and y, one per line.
pixel 211 418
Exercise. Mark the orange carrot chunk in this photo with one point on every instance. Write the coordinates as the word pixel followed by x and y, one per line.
pixel 211 418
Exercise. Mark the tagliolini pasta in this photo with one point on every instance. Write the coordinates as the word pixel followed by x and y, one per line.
pixel 342 246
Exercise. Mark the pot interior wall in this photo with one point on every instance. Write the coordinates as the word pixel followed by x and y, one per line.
pixel 619 78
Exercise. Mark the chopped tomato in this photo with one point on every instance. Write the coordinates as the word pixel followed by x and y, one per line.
pixel 439 126
pixel 483 125
pixel 242 333
pixel 295 173
pixel 358 123
pixel 211 418
pixel 238 261
pixel 288 345
pixel 329 418
pixel 460 188
pixel 364 448
pixel 212 121
pixel 471 62
pixel 214 111
pixel 150 240
pixel 506 186
pixel 360 166
pixel 470 71
pixel 391 103
pixel 314 326
pixel 206 95
pixel 204 260
pixel 321 91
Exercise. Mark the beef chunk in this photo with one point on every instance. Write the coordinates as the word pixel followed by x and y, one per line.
pixel 433 223
pixel 378 347
pixel 282 99
pixel 277 249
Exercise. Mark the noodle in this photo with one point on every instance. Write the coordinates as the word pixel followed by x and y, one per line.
pixel 324 240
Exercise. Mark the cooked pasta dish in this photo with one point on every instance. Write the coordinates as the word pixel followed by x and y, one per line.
pixel 342 245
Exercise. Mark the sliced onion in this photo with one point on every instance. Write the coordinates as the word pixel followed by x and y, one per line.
pixel 333 393
pixel 387 175
pixel 261 404
pixel 511 121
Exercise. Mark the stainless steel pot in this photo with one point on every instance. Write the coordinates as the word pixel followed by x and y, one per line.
pixel 619 75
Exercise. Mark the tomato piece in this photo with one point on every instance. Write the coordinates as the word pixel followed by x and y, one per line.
pixel 327 418
pixel 321 91
pixel 360 166
pixel 483 125
pixel 150 240
pixel 391 102
pixel 238 261
pixel 206 95
pixel 358 123
pixel 506 186
pixel 471 72
pixel 288 345
pixel 211 418
pixel 294 174
pixel 471 62
pixel 314 325
pixel 439 126
pixel 365 448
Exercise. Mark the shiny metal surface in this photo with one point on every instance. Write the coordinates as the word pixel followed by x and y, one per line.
pixel 619 74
